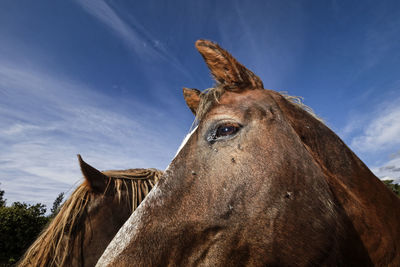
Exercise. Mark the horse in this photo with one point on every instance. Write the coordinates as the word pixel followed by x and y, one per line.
pixel 89 219
pixel 260 181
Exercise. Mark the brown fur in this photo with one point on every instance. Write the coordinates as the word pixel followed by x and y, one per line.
pixel 191 98
pixel 58 245
pixel 200 102
pixel 227 72
pixel 283 190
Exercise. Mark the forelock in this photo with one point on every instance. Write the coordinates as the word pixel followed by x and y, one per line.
pixel 207 99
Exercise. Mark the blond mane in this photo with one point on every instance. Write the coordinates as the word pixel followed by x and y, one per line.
pixel 53 245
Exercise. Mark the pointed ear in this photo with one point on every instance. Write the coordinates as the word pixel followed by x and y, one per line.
pixel 192 98
pixel 96 180
pixel 227 71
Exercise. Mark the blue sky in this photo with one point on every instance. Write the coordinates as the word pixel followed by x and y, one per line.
pixel 104 79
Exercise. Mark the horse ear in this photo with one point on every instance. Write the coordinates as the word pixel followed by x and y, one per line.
pixel 96 180
pixel 192 98
pixel 227 71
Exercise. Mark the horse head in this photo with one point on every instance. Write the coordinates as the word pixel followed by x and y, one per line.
pixel 260 181
pixel 90 217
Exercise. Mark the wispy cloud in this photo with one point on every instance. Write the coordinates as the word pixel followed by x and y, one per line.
pixel 45 120
pixel 262 47
pixel 374 135
pixel 104 13
pixel 135 36
pixel 389 171
pixel 382 132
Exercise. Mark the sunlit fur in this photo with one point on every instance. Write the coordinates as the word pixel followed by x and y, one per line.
pixel 54 244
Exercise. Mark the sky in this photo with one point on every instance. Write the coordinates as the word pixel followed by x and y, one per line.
pixel 104 79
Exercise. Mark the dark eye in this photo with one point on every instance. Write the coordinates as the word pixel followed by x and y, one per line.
pixel 226 130
pixel 222 131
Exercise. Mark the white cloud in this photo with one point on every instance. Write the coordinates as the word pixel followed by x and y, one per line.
pixel 375 135
pixel 389 171
pixel 382 131
pixel 45 120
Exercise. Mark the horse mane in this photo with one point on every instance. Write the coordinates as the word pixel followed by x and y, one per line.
pixel 140 180
pixel 297 101
pixel 51 249
pixel 212 95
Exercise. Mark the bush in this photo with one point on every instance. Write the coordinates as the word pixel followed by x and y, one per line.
pixel 20 224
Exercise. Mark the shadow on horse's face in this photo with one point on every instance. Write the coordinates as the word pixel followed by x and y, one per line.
pixel 248 187
pixel 259 182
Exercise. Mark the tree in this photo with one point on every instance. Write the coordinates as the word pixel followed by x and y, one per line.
pixel 2 200
pixel 20 224
pixel 394 187
pixel 57 205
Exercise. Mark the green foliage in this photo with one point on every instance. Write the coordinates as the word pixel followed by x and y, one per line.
pixel 2 200
pixel 20 224
pixel 394 187
pixel 57 205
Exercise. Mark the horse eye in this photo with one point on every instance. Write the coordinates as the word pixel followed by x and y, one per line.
pixel 226 130
pixel 223 131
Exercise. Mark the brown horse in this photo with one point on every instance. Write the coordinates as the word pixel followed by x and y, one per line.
pixel 90 218
pixel 260 182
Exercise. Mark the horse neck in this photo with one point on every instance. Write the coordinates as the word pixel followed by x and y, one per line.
pixel 370 206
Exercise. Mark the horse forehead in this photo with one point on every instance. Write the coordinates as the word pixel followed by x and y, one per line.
pixel 248 97
pixel 242 104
